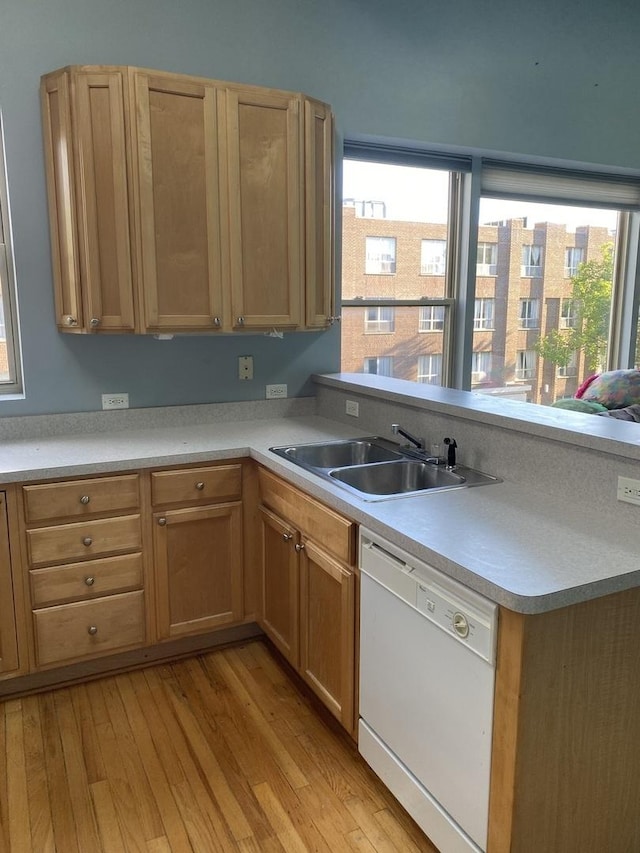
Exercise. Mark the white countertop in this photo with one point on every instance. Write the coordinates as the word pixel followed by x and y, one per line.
pixel 521 548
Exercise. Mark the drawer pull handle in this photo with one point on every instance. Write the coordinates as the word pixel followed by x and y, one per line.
pixel 200 486
pixel 300 547
pixel 287 537
pixel 162 521
pixel 90 580
pixel 87 541
pixel 85 499
pixel 93 630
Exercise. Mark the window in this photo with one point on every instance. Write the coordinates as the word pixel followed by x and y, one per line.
pixel 526 364
pixel 430 369
pixel 381 256
pixel 378 319
pixel 382 365
pixel 529 318
pixel 567 314
pixel 483 314
pixel 569 369
pixel 481 363
pixel 573 257
pixel 10 367
pixel 486 263
pixel 433 257
pixel 431 318
pixel 531 262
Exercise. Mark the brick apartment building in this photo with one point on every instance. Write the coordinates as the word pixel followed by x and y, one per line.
pixel 523 290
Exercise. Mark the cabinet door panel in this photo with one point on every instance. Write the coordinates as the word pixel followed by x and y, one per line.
pixel 198 553
pixel 280 584
pixel 177 161
pixel 327 628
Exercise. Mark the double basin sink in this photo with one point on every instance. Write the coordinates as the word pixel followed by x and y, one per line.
pixel 375 468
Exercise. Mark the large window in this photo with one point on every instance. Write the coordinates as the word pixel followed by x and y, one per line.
pixel 529 313
pixel 380 255
pixel 383 365
pixel 483 314
pixel 487 255
pixel 431 318
pixel 573 257
pixel 531 262
pixel 526 364
pixel 10 368
pixel 433 257
pixel 378 319
pixel 430 369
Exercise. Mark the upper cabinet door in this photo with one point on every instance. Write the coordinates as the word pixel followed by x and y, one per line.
pixel 177 180
pixel 85 154
pixel 319 215
pixel 265 205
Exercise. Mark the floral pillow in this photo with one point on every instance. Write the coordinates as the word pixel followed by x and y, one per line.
pixel 614 389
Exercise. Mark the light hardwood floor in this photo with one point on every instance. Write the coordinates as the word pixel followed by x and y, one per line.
pixel 221 752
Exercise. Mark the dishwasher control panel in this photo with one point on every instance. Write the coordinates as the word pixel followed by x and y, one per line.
pixel 467 616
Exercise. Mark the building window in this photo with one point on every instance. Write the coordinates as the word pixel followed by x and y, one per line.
pixel 526 364
pixel 481 364
pixel 430 369
pixel 380 256
pixel 529 317
pixel 433 257
pixel 486 263
pixel 378 319
pixel 10 365
pixel 531 262
pixel 570 369
pixel 567 314
pixel 431 318
pixel 483 314
pixel 573 257
pixel 382 365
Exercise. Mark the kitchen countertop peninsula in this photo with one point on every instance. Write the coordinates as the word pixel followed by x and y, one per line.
pixel 520 547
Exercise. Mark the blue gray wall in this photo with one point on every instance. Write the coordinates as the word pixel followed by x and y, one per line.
pixel 540 78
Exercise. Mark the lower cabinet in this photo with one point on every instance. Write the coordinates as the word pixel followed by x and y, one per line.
pixel 198 552
pixel 309 593
pixel 8 637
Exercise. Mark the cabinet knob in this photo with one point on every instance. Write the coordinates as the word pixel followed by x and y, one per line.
pixel 333 320
pixel 216 321
pixel 240 321
pixel 70 321
pixel 90 580
pixel 287 537
pixel 87 541
pixel 200 486
pixel 85 499
pixel 300 547
pixel 162 521
pixel 95 321
pixel 93 630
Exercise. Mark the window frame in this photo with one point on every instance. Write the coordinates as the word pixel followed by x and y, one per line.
pixel 480 320
pixel 438 373
pixel 522 371
pixel 13 387
pixel 378 359
pixel 392 262
pixel 379 326
pixel 443 263
pixel 526 321
pixel 432 324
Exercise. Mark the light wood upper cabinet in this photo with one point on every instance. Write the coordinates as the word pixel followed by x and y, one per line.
pixel 179 203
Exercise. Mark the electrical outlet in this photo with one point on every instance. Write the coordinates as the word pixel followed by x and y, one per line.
pixel 629 490
pixel 276 392
pixel 115 401
pixel 245 367
pixel 352 408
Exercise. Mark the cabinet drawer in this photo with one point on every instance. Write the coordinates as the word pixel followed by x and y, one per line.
pixel 81 498
pixel 85 580
pixel 84 540
pixel 197 485
pixel 335 532
pixel 85 628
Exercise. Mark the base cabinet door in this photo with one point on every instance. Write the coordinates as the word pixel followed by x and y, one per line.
pixel 8 639
pixel 280 584
pixel 327 630
pixel 198 555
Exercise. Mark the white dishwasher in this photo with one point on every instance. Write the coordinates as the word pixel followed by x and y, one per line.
pixel 427 664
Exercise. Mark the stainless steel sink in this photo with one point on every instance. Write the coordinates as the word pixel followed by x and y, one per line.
pixel 374 468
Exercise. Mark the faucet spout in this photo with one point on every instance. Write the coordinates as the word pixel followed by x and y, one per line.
pixel 451 452
pixel 396 429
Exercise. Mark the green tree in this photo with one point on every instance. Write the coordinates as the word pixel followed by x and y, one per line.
pixel 591 297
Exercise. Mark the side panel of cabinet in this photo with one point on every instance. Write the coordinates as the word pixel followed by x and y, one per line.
pixel 8 639
pixel 319 242
pixel 263 152
pixel 280 584
pixel 177 180
pixel 327 621
pixel 198 561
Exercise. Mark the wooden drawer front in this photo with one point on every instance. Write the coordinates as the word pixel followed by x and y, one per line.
pixel 84 540
pixel 85 628
pixel 85 580
pixel 81 498
pixel 335 532
pixel 197 485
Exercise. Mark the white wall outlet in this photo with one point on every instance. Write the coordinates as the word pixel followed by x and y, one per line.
pixel 352 408
pixel 276 392
pixel 629 490
pixel 115 401
pixel 245 367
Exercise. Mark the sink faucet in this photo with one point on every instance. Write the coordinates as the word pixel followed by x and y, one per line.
pixel 451 452
pixel 396 429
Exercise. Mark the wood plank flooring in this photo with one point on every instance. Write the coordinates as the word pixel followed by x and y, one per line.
pixel 220 752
